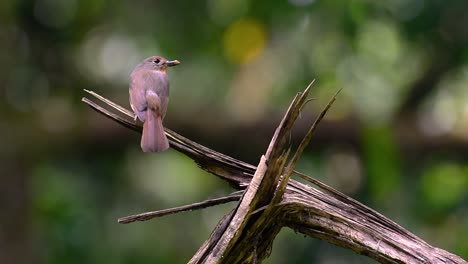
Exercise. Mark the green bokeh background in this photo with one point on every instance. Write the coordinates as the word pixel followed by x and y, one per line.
pixel 396 139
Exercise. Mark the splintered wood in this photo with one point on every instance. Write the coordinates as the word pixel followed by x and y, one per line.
pixel 269 200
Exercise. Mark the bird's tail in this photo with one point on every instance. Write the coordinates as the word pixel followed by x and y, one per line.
pixel 153 138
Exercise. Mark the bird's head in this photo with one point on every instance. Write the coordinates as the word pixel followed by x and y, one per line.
pixel 159 63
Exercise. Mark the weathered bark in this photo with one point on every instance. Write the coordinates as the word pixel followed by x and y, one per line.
pixel 271 201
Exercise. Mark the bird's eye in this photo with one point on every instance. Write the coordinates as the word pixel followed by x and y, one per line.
pixel 157 61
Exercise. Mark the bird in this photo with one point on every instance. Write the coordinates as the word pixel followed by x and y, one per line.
pixel 149 97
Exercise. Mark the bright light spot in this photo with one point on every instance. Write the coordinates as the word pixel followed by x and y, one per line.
pixel 439 116
pixel 116 53
pixel 373 97
pixel 327 53
pixel 244 40
pixel 249 97
pixel 108 57
pixel 381 41
pixel 444 112
pixel 383 67
pixel 447 110
pixel 463 125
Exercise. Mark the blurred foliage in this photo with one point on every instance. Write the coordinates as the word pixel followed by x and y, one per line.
pixel 396 139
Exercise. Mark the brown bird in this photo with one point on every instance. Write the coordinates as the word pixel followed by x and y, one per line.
pixel 149 96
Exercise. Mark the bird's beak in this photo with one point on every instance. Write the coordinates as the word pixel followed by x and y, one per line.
pixel 172 63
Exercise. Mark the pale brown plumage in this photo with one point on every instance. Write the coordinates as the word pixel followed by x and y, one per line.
pixel 149 97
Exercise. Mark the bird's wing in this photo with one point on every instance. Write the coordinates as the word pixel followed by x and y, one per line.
pixel 141 83
pixel 160 85
pixel 137 91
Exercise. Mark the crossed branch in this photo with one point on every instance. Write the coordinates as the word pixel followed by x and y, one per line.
pixel 269 200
